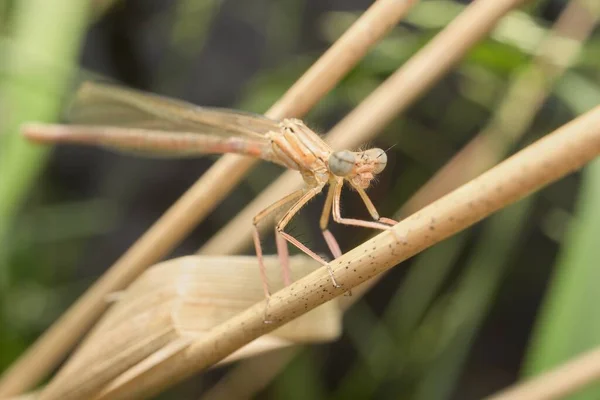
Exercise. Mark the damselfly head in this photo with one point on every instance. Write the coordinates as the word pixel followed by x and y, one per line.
pixel 358 167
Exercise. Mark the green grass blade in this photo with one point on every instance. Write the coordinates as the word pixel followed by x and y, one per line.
pixel 53 33
pixel 465 309
pixel 570 323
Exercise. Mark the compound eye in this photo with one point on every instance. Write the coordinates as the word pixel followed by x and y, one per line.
pixel 342 162
pixel 379 159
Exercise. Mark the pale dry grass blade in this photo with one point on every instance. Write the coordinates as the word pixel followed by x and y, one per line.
pixel 175 303
pixel 189 210
pixel 378 109
pixel 548 159
pixel 558 383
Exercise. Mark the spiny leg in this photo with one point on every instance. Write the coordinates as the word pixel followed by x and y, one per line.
pixel 284 257
pixel 289 215
pixel 283 254
pixel 324 222
pixel 256 236
pixel 388 221
pixel 337 217
pixel 333 245
pixel 371 208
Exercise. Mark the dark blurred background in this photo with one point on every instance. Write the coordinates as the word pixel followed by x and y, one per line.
pixel 511 296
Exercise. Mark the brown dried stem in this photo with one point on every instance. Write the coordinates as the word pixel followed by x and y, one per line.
pixel 556 54
pixel 208 191
pixel 525 95
pixel 545 161
pixel 377 110
pixel 349 135
pixel 513 116
pixel 559 382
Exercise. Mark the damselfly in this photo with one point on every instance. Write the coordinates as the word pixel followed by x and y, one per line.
pixel 128 120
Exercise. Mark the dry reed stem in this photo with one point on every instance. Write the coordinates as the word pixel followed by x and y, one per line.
pixel 25 396
pixel 545 161
pixel 513 117
pixel 557 383
pixel 349 137
pixel 201 198
pixel 525 95
pixel 377 110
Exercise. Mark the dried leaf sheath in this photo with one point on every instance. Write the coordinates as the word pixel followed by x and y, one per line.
pixel 174 303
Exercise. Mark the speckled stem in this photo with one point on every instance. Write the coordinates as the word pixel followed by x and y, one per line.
pixel 545 161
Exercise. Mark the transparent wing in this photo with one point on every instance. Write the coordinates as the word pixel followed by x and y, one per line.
pixel 149 125
pixel 110 105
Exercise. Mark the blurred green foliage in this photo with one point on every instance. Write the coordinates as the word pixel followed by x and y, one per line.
pixel 457 323
pixel 29 279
